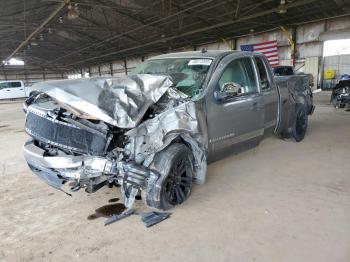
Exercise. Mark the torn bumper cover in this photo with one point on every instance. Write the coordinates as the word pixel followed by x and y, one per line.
pixel 99 131
pixel 94 171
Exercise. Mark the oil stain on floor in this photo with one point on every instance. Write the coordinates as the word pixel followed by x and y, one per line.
pixel 108 210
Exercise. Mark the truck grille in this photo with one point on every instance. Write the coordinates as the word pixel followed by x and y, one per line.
pixel 63 135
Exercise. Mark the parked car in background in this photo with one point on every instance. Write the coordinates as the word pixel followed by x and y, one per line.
pixel 341 93
pixel 12 89
pixel 289 71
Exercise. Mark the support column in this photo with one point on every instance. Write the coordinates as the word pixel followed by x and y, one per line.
pixel 111 68
pixel 234 44
pixel 126 66
pixel 294 46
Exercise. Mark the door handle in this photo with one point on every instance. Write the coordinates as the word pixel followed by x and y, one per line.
pixel 8 90
pixel 21 89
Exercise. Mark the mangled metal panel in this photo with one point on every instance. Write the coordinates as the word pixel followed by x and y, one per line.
pixel 157 133
pixel 121 101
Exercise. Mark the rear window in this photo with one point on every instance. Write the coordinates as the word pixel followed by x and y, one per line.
pixel 283 71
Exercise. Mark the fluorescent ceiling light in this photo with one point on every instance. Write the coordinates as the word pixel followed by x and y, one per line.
pixel 14 61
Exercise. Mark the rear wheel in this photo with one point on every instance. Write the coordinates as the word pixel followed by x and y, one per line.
pixel 300 124
pixel 175 165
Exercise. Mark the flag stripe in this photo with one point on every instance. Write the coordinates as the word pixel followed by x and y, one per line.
pixel 266 43
pixel 272 54
pixel 265 46
pixel 266 50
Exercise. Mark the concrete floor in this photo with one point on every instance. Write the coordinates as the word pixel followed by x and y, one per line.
pixel 283 201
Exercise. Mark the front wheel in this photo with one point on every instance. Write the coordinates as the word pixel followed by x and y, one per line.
pixel 300 123
pixel 175 166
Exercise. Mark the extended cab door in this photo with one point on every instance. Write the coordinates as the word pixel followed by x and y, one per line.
pixel 269 91
pixel 17 89
pixel 235 110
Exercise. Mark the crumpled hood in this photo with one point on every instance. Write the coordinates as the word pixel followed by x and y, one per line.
pixel 119 101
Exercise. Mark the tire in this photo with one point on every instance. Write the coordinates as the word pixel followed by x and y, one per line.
pixel 175 166
pixel 300 123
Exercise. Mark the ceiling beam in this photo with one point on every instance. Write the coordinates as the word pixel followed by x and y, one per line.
pixel 39 28
pixel 344 5
pixel 200 30
pixel 155 22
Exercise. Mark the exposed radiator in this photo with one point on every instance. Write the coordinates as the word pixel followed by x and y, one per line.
pixel 63 135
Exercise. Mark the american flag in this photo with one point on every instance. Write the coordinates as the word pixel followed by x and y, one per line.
pixel 269 49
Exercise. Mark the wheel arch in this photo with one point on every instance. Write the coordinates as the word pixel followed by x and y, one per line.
pixel 199 153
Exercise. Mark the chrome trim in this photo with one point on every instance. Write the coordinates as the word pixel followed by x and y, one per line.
pixel 35 154
pixel 235 140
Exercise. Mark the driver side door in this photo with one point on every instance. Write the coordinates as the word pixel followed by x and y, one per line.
pixel 235 120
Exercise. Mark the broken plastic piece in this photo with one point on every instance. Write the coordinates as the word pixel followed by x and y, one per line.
pixel 116 218
pixel 153 218
pixel 75 187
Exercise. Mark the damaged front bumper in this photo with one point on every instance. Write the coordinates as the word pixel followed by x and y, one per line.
pixel 88 171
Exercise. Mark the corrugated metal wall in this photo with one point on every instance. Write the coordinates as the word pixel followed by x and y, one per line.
pixel 312 66
pixel 29 78
pixel 341 64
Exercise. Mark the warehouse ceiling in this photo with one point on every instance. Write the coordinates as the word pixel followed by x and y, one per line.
pixel 67 35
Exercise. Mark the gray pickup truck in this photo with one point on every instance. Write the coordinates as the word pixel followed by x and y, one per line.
pixel 153 132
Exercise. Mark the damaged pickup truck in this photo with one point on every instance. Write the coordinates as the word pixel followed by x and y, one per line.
pixel 153 132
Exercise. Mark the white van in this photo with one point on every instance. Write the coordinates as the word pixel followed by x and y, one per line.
pixel 12 89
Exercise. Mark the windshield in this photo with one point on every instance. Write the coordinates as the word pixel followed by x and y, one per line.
pixel 188 74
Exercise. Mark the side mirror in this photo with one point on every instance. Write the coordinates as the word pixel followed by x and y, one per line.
pixel 229 90
pixel 232 88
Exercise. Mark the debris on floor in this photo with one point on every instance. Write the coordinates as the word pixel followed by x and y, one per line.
pixel 148 218
pixel 117 211
pixel 152 218
pixel 116 218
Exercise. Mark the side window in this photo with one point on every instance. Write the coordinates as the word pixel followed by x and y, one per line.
pixel 15 84
pixel 4 85
pixel 240 74
pixel 264 80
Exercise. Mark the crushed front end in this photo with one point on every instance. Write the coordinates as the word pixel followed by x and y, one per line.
pixel 109 135
pixel 88 153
